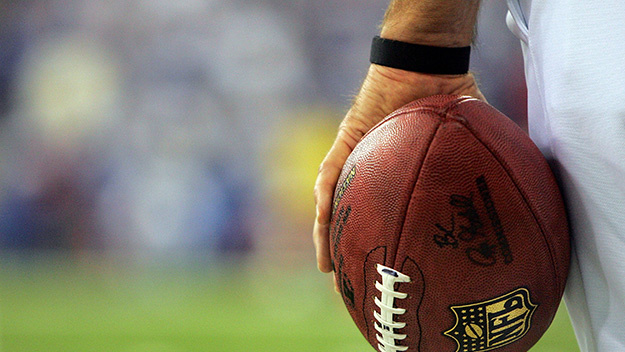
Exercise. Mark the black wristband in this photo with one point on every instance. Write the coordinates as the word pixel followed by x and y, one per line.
pixel 420 58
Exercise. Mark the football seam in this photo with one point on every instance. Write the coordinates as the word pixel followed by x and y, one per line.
pixel 418 173
pixel 523 196
pixel 364 275
pixel 422 277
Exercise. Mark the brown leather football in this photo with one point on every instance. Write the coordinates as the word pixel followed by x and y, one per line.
pixel 449 232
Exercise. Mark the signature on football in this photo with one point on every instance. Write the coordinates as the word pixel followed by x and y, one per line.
pixel 467 232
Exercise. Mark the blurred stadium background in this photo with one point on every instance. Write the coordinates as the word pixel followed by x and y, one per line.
pixel 157 160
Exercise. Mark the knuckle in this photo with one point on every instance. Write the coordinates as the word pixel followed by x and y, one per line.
pixel 316 194
pixel 322 166
pixel 323 208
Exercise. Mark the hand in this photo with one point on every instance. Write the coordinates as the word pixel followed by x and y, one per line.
pixel 384 90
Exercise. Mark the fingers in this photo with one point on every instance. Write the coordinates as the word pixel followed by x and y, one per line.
pixel 324 189
pixel 322 246
pixel 329 173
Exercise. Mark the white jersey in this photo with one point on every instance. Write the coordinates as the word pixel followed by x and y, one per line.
pixel 575 68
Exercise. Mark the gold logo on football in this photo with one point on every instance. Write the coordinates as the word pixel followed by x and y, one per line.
pixel 494 323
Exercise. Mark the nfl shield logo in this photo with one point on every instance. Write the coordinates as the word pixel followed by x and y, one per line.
pixel 494 323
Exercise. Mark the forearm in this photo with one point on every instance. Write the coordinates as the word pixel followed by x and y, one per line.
pixel 431 22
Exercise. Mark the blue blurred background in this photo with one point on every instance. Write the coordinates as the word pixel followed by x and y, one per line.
pixel 190 124
pixel 161 154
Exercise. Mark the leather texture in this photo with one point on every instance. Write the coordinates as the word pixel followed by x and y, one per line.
pixel 450 192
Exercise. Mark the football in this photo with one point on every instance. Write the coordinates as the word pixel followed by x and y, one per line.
pixel 448 231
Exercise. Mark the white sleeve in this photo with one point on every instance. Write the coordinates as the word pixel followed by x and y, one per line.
pixel 517 20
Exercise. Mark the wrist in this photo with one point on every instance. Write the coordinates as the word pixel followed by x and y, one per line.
pixel 394 87
pixel 386 89
pixel 427 83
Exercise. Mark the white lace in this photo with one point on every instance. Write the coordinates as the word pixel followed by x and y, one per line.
pixel 387 337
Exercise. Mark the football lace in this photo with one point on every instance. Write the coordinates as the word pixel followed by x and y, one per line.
pixel 387 337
